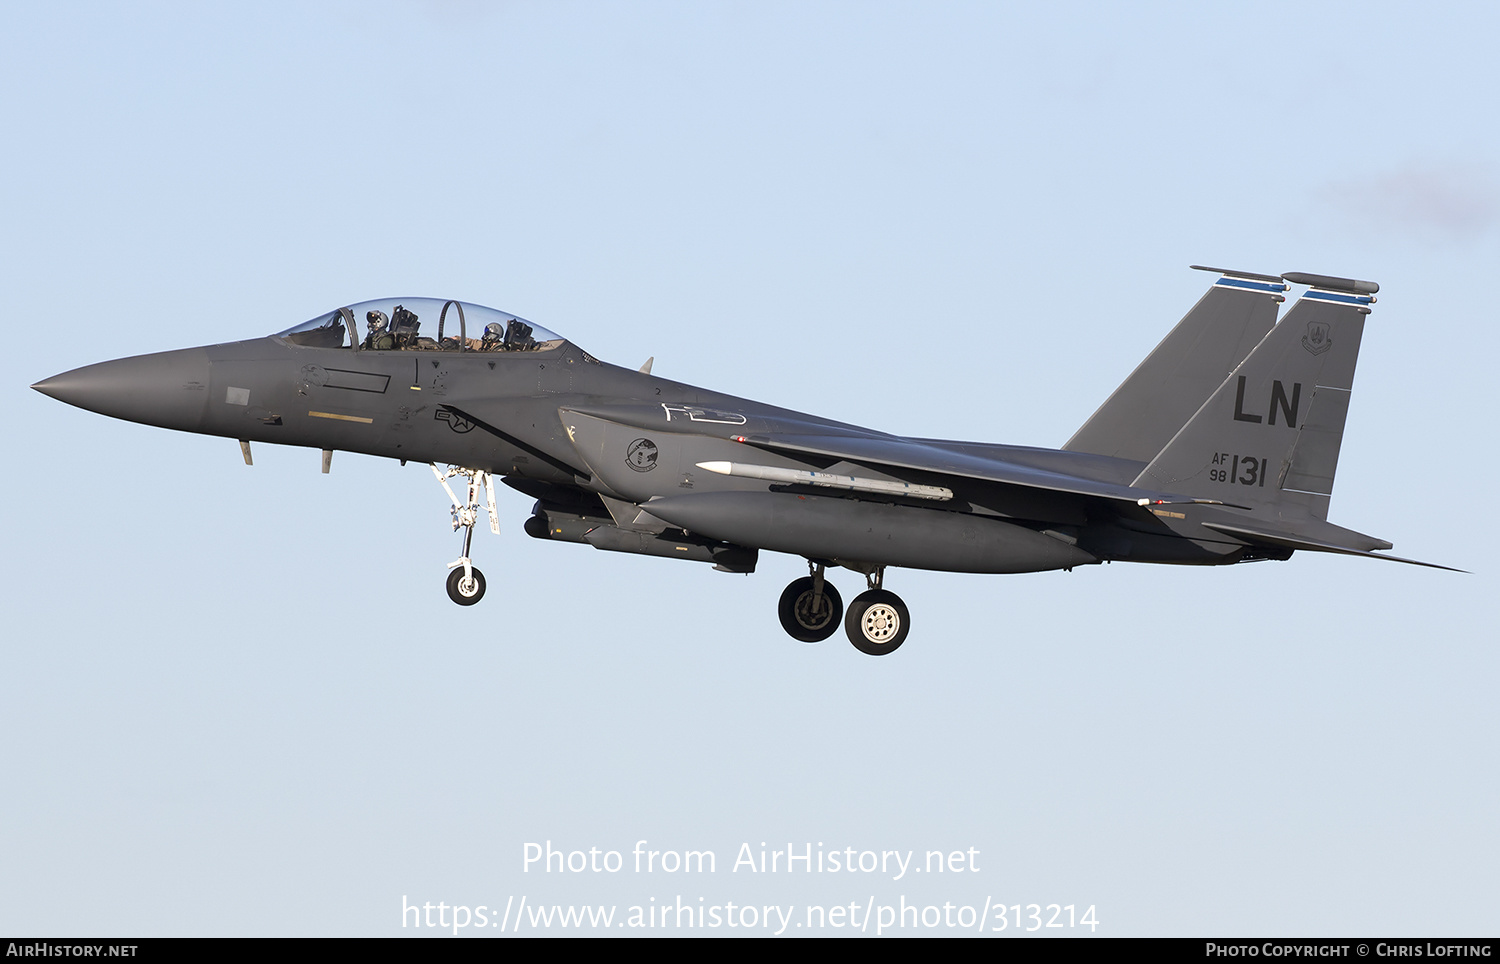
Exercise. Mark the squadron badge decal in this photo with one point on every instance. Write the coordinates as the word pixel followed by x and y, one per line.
pixel 641 455
pixel 1316 340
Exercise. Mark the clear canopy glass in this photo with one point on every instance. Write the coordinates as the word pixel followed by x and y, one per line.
pixel 421 324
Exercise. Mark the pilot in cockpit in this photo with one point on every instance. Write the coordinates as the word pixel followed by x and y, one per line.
pixel 379 338
pixel 494 337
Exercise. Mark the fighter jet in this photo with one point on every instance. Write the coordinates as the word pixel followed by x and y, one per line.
pixel 1219 448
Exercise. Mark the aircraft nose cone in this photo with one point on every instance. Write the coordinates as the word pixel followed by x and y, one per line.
pixel 169 389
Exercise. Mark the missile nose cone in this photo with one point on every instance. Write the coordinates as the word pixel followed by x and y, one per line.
pixel 169 389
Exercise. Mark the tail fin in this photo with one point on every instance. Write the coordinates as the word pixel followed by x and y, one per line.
pixel 1271 433
pixel 1164 391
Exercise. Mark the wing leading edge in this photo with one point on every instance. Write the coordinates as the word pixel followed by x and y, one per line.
pixel 896 455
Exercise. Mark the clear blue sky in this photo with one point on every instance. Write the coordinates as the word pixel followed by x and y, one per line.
pixel 237 701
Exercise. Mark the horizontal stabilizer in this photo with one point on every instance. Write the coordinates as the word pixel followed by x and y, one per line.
pixel 1288 540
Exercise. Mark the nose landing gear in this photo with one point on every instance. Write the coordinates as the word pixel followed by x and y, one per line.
pixel 465 582
pixel 466 585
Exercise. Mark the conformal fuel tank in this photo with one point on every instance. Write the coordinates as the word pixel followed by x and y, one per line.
pixel 850 530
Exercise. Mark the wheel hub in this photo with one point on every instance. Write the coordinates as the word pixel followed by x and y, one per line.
pixel 812 616
pixel 881 622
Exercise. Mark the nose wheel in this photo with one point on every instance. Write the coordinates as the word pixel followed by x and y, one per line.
pixel 466 589
pixel 465 582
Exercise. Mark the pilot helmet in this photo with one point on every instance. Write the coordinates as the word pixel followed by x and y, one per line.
pixel 493 331
pixel 377 320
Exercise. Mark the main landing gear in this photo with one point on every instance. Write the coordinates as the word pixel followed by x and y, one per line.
pixel 876 623
pixel 465 582
pixel 810 607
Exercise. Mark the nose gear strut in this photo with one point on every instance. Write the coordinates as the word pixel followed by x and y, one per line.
pixel 465 582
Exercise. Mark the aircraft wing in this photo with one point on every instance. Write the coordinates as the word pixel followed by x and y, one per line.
pixel 912 456
pixel 1310 535
pixel 784 433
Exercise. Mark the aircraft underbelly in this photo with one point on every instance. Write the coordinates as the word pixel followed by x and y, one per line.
pixel 854 530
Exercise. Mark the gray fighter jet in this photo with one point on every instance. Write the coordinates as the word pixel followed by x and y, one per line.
pixel 1219 448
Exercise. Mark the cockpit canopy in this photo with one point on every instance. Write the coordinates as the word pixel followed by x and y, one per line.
pixel 421 324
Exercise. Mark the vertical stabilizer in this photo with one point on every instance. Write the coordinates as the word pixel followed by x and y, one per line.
pixel 1270 434
pixel 1164 391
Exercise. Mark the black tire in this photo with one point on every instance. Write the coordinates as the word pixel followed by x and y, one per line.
pixel 877 622
pixel 457 595
pixel 797 617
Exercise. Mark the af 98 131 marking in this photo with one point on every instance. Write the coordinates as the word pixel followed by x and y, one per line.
pixel 1242 470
